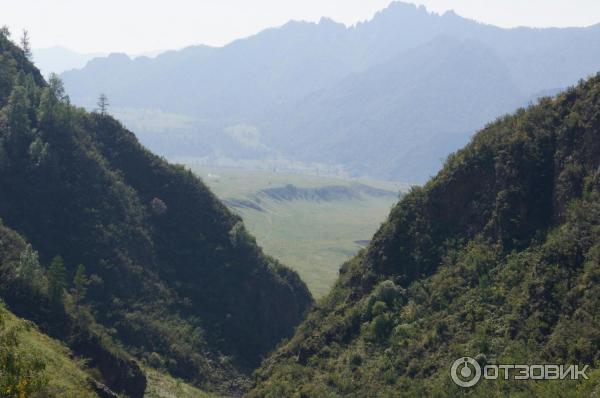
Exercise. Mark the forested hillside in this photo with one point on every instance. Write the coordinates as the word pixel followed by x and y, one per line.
pixel 158 269
pixel 31 363
pixel 496 258
pixel 386 98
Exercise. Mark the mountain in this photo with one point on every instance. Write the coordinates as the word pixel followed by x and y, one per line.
pixel 316 95
pixel 169 278
pixel 495 258
pixel 59 59
pixel 380 120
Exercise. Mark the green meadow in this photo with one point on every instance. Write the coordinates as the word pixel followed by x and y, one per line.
pixel 314 235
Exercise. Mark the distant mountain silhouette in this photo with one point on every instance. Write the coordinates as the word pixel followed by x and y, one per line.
pixel 60 59
pixel 324 93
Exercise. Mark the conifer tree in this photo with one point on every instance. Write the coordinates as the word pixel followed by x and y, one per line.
pixel 57 279
pixel 25 44
pixel 103 104
pixel 79 284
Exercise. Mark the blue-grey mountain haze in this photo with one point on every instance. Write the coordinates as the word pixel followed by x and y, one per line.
pixel 388 98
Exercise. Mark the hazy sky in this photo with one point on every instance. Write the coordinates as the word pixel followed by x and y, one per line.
pixel 136 26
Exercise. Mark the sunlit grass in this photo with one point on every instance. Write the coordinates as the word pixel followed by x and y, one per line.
pixel 66 375
pixel 314 238
pixel 161 385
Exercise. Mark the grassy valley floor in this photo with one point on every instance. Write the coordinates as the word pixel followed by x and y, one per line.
pixel 311 223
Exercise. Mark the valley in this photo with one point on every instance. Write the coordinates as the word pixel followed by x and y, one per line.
pixel 311 223
pixel 317 210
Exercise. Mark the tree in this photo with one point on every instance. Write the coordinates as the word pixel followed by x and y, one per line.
pixel 51 98
pixel 57 87
pixel 158 206
pixel 103 104
pixel 57 279
pixel 29 267
pixel 5 31
pixel 79 284
pixel 25 44
pixel 17 110
pixel 38 152
pixel 17 119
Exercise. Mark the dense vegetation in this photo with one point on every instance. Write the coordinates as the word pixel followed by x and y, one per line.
pixel 138 258
pixel 39 294
pixel 497 258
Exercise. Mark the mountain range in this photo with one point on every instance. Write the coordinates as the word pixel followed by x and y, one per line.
pixel 59 59
pixel 389 98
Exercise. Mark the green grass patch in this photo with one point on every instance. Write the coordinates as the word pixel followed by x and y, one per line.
pixel 312 237
pixel 161 385
pixel 66 375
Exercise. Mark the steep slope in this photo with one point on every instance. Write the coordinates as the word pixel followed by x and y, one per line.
pixel 495 258
pixel 31 361
pixel 173 275
pixel 61 375
pixel 29 290
pixel 45 363
pixel 299 90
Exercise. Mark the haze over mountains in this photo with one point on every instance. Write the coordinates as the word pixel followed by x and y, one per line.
pixel 387 98
pixel 60 59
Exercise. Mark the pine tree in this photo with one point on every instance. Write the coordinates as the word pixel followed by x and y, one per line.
pixel 79 284
pixel 25 44
pixel 57 279
pixel 103 104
